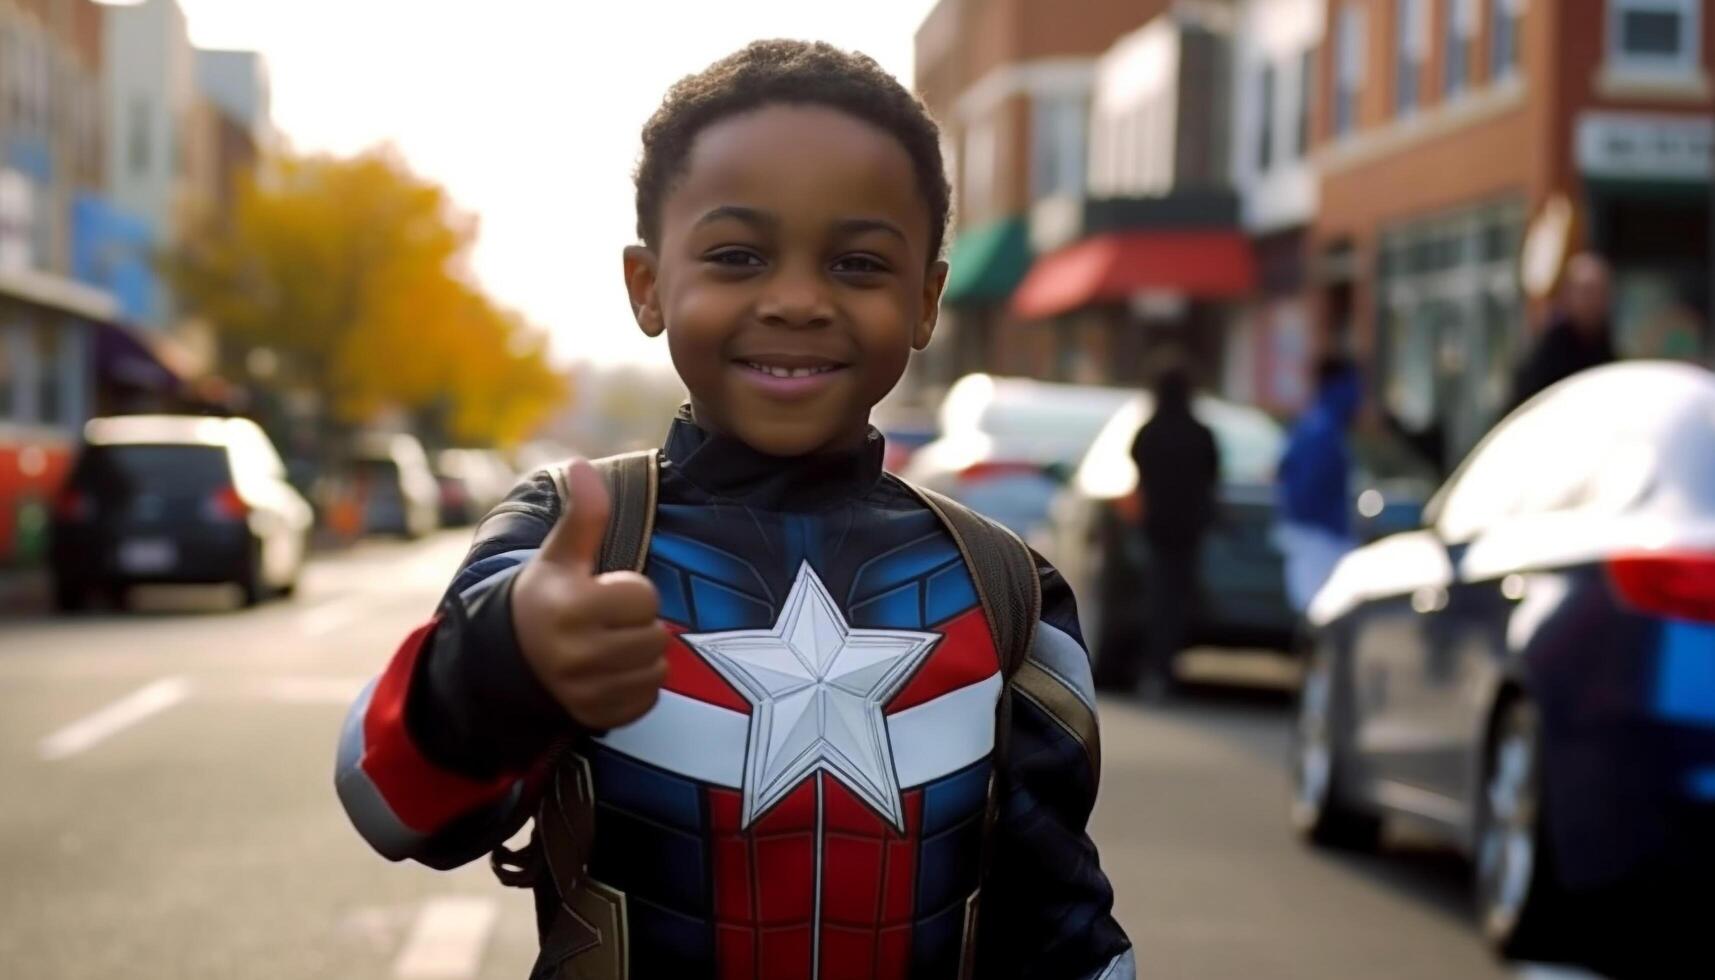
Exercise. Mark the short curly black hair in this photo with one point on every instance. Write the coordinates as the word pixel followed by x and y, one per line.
pixel 792 72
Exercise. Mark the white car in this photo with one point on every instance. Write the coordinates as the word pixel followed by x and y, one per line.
pixel 1007 445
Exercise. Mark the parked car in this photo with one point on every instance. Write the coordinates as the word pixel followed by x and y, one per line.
pixel 1096 543
pixel 1532 673
pixel 1007 445
pixel 398 491
pixel 471 482
pixel 166 498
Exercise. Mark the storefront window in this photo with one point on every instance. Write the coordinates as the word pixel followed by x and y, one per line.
pixel 8 373
pixel 1451 318
pixel 48 401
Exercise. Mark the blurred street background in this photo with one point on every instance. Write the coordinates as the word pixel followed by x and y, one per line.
pixel 1417 681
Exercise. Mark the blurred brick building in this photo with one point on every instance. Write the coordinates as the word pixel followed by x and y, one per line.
pixel 113 131
pixel 1010 81
pixel 1444 129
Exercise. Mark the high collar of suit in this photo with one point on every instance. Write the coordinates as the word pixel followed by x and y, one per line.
pixel 727 467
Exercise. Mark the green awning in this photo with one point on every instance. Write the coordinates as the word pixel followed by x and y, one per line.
pixel 988 263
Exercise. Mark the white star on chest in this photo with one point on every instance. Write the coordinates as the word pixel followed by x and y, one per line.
pixel 817 689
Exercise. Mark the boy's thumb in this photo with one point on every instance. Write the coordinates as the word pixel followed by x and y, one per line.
pixel 575 540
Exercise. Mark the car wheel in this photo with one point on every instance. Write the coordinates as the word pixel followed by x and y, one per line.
pixel 1321 808
pixel 1118 630
pixel 1518 901
pixel 254 584
pixel 70 597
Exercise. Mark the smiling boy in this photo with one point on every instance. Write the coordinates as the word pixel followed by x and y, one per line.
pixel 775 712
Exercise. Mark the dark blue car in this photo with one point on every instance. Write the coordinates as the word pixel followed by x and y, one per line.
pixel 1533 674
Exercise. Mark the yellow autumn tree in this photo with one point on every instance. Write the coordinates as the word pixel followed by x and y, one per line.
pixel 353 271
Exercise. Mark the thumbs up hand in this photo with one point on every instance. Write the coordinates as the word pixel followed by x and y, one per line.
pixel 592 640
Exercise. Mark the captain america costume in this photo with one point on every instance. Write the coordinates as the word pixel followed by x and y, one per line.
pixel 808 796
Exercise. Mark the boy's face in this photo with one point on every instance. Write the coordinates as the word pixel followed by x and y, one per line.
pixel 792 276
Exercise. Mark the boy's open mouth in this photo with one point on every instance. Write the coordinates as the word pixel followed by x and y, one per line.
pixel 786 372
pixel 788 376
pixel 789 365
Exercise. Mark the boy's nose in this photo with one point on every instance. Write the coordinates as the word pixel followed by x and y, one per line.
pixel 796 298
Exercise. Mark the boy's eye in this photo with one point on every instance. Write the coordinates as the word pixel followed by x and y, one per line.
pixel 861 264
pixel 737 257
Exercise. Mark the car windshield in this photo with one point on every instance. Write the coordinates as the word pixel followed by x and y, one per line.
pixel 1072 420
pixel 170 469
pixel 1249 441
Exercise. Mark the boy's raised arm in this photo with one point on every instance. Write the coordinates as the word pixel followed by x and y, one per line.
pixel 435 756
pixel 1046 907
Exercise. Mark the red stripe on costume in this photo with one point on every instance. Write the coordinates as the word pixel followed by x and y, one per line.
pixel 964 656
pixel 691 675
pixel 423 796
pixel 868 882
pixel 847 954
pixel 784 952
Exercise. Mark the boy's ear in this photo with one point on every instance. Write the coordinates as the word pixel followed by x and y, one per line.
pixel 933 284
pixel 640 281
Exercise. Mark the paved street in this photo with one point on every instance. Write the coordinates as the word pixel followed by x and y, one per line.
pixel 168 812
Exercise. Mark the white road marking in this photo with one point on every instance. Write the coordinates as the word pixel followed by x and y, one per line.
pixel 311 690
pixel 447 939
pixel 332 616
pixel 129 710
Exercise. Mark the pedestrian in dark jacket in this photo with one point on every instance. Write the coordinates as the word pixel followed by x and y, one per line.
pixel 1579 332
pixel 1177 466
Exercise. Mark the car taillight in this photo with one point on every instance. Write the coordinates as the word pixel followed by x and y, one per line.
pixel 227 505
pixel 74 506
pixel 995 469
pixel 1675 586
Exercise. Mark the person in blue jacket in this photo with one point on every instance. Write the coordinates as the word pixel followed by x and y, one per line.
pixel 1314 483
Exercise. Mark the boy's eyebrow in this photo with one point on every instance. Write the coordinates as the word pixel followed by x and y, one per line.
pixel 750 216
pixel 853 226
pixel 766 221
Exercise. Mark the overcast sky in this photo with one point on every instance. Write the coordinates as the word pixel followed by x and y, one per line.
pixel 527 110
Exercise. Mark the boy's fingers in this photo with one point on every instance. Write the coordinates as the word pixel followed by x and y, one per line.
pixel 625 599
pixel 618 651
pixel 574 543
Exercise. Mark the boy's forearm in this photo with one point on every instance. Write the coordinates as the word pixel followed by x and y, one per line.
pixel 435 758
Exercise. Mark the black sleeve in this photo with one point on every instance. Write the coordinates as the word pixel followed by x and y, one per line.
pixel 475 707
pixel 436 758
pixel 1046 905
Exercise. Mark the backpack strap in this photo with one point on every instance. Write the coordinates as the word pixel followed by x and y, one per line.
pixel 565 818
pixel 1003 568
pixel 633 483
pixel 1004 572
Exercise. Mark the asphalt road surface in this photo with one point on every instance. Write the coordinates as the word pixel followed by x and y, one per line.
pixel 167 811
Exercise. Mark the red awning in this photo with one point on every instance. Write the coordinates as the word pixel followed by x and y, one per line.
pixel 1110 268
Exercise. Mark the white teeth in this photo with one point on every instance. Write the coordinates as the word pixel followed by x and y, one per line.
pixel 785 372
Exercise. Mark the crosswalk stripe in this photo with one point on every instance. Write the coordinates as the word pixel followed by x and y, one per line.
pixel 134 707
